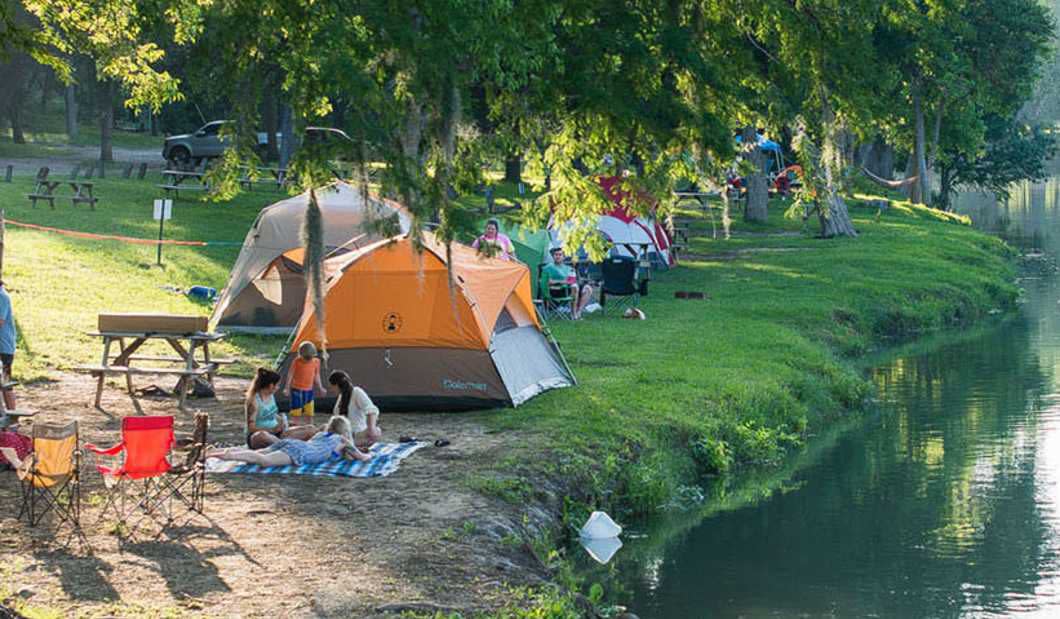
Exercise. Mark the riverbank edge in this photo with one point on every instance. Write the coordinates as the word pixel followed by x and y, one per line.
pixel 542 523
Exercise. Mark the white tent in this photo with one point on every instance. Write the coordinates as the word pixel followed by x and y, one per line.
pixel 266 290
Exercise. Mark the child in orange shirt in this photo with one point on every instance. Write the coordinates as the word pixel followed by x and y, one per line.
pixel 302 378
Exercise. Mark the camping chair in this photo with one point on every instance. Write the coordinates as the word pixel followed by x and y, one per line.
pixel 139 475
pixel 556 299
pixel 50 476
pixel 620 281
pixel 187 480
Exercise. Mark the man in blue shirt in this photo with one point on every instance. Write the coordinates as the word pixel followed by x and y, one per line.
pixel 7 343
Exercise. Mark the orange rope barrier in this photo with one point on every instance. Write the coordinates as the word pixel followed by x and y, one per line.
pixel 107 237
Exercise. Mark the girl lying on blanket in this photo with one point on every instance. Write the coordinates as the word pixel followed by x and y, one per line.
pixel 355 405
pixel 334 443
pixel 264 423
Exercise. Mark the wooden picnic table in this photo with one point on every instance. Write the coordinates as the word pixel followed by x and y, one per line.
pixel 185 345
pixel 44 191
pixel 173 181
pixel 83 193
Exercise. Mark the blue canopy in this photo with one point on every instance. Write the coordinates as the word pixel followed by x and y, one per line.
pixel 763 143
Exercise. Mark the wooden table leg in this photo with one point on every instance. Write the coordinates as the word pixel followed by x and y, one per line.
pixel 103 375
pixel 189 365
pixel 206 360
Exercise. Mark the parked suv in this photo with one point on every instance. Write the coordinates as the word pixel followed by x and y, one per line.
pixel 206 143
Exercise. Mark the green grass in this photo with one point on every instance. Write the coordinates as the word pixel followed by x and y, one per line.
pixel 60 284
pixel 45 131
pixel 703 388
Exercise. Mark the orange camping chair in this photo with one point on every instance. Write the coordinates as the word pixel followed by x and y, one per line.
pixel 50 476
pixel 136 481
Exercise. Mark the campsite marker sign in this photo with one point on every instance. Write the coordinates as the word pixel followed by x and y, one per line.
pixel 163 211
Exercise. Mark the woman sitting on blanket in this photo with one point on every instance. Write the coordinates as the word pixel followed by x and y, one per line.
pixel 334 443
pixel 264 423
pixel 355 405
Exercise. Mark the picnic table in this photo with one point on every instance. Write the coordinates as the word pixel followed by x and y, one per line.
pixel 173 181
pixel 186 345
pixel 83 193
pixel 44 188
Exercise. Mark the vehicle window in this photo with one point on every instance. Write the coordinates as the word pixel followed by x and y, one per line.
pixel 212 128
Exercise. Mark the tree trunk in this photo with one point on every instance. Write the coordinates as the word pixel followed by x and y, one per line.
pixel 287 135
pixel 837 222
pixel 757 207
pixel 271 123
pixel 106 121
pixel 945 188
pixel 513 169
pixel 70 97
pixel 912 190
pixel 154 124
pixel 15 116
pixel 920 151
pixel 884 160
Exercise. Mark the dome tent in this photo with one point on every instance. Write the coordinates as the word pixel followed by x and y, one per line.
pixel 413 341
pixel 266 290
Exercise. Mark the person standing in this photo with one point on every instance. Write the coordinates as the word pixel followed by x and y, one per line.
pixel 8 336
pixel 493 243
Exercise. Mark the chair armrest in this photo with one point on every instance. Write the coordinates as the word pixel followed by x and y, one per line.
pixel 110 451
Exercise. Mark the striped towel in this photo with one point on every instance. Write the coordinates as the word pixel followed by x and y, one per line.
pixel 385 460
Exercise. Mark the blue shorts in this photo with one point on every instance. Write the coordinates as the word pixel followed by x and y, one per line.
pixel 302 402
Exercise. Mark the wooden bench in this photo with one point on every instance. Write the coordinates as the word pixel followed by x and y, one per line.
pixel 202 370
pixel 83 194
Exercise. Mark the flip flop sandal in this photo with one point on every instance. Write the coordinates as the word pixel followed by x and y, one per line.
pixel 407 439
pixel 442 443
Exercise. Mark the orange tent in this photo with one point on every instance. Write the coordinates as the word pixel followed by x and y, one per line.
pixel 412 340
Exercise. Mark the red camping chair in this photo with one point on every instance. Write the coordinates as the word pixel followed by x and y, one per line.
pixel 139 472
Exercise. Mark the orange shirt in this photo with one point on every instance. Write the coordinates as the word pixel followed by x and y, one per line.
pixel 304 373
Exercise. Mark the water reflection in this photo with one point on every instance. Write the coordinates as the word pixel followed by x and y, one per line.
pixel 947 503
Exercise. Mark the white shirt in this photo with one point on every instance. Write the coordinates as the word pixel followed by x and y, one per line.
pixel 360 407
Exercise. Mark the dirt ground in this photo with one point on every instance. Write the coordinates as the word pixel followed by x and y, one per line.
pixel 288 546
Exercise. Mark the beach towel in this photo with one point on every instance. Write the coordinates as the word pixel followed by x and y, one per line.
pixel 385 460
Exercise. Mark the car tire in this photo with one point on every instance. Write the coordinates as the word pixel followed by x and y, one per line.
pixel 180 155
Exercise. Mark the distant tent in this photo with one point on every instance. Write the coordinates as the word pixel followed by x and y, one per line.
pixel 531 248
pixel 629 234
pixel 413 341
pixel 266 290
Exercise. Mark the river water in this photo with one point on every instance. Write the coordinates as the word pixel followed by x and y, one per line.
pixel 943 503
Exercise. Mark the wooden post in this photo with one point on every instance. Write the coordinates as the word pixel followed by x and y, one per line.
pixel 128 171
pixel 143 172
pixel 7 174
pixel 102 169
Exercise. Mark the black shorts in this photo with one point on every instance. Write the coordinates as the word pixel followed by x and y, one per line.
pixel 7 360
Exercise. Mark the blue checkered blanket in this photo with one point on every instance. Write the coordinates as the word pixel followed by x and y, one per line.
pixel 385 460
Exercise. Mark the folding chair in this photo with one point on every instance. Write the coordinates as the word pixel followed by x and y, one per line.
pixel 620 282
pixel 187 480
pixel 136 482
pixel 50 476
pixel 555 298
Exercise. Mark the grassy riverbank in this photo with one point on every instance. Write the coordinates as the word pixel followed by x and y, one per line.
pixel 707 387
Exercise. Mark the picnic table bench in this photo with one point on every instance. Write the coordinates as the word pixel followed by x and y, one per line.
pixel 7 416
pixel 44 188
pixel 186 345
pixel 173 182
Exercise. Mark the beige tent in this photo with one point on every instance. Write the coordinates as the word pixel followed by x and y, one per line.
pixel 266 290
